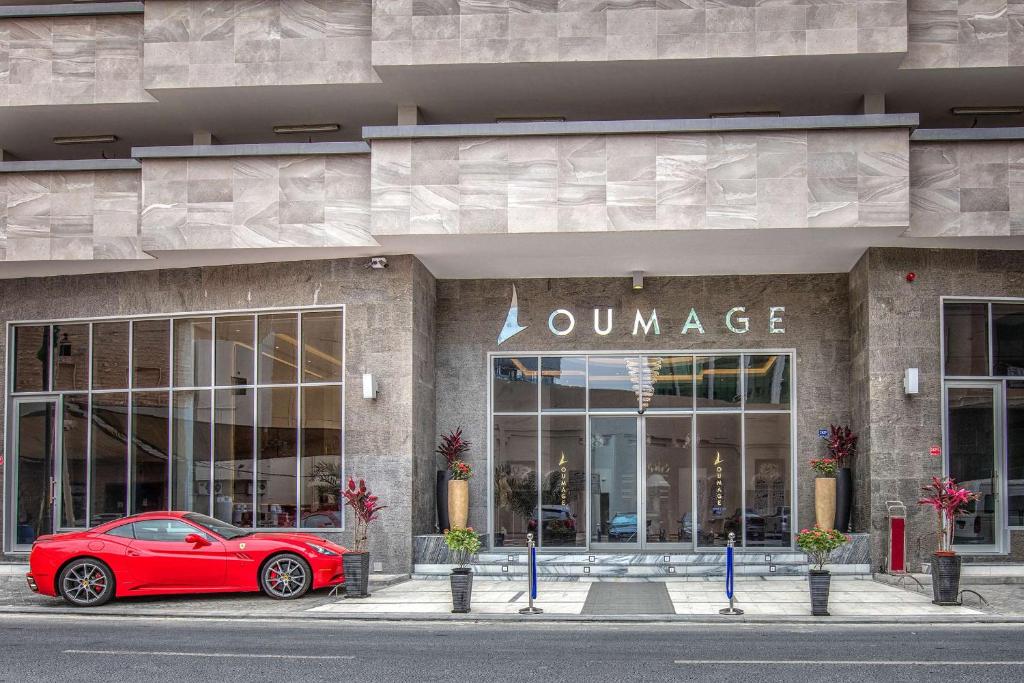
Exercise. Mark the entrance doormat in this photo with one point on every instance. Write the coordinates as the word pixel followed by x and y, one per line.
pixel 614 597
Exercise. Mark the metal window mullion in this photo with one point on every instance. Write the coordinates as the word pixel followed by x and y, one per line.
pixel 991 330
pixel 170 415
pixel 743 479
pixel 213 416
pixel 538 510
pixel 129 478
pixel 255 423
pixel 298 457
pixel 88 431
pixel 693 481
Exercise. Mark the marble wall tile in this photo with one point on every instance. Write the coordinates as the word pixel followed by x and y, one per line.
pixel 641 182
pixel 951 34
pixel 245 202
pixel 272 42
pixel 71 60
pixel 448 32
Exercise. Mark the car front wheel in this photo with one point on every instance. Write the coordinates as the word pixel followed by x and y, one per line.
pixel 286 577
pixel 86 583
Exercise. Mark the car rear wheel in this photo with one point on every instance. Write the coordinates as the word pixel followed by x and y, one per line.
pixel 286 577
pixel 86 583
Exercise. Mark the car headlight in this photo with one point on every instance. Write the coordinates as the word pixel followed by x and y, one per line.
pixel 321 550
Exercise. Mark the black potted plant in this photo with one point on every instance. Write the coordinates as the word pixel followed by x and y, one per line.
pixel 950 500
pixel 842 446
pixel 463 544
pixel 451 449
pixel 356 562
pixel 819 543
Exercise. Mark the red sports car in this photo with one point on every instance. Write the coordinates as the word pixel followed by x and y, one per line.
pixel 158 553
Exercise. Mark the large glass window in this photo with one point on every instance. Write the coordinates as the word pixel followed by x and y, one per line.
pixel 206 413
pixel 965 335
pixel 563 503
pixel 515 479
pixel 1008 340
pixel 766 464
pixel 1015 452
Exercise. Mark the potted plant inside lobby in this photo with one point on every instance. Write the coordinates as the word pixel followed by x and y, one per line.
pixel 824 492
pixel 842 446
pixel 819 543
pixel 950 500
pixel 356 562
pixel 451 449
pixel 458 494
pixel 463 544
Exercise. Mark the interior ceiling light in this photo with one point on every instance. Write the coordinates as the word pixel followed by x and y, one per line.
pixel 986 111
pixel 84 139
pixel 643 374
pixel 308 128
pixel 530 119
pixel 738 114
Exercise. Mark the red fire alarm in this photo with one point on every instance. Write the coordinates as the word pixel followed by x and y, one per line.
pixel 911 276
pixel 935 451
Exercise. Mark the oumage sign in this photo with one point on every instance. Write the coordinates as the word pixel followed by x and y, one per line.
pixel 562 322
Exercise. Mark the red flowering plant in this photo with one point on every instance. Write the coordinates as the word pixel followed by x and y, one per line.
pixel 825 466
pixel 819 543
pixel 452 447
pixel 950 500
pixel 461 470
pixel 364 509
pixel 841 444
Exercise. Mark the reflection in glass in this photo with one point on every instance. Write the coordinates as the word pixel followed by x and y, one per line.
pixel 718 381
pixel 1015 452
pixel 233 454
pixel 718 479
pixel 322 337
pixel 673 384
pixel 32 358
pixel 563 509
pixel 563 383
pixel 108 488
pixel 278 348
pixel 1008 340
pixel 70 357
pixel 277 453
pixel 515 479
pixel 190 464
pixel 36 421
pixel 192 348
pixel 320 503
pixel 613 485
pixel 149 451
pixel 110 355
pixel 74 473
pixel 610 383
pixel 515 385
pixel 668 478
pixel 151 341
pixel 965 336
pixel 767 457
pixel 972 461
pixel 767 379
pixel 233 356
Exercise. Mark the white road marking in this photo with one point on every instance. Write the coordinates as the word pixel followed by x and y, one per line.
pixel 203 654
pixel 862 662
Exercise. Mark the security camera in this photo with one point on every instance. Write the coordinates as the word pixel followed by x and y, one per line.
pixel 378 263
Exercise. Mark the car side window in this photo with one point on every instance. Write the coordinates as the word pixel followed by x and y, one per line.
pixel 123 531
pixel 165 530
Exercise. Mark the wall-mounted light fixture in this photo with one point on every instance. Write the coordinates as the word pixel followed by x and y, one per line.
pixel 308 128
pixel 910 383
pixel 369 387
pixel 638 280
pixel 84 139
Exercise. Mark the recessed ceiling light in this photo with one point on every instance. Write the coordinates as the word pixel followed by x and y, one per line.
pixel 739 114
pixel 986 111
pixel 84 139
pixel 530 119
pixel 308 128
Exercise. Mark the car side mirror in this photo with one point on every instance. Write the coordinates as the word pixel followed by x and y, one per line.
pixel 196 540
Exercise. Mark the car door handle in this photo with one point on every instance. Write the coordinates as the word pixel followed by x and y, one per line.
pixel 133 553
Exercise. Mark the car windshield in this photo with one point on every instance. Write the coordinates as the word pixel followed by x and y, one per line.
pixel 222 529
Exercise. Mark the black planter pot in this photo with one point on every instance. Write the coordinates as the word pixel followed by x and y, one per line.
pixel 946 579
pixel 844 499
pixel 357 574
pixel 441 496
pixel 819 581
pixel 462 590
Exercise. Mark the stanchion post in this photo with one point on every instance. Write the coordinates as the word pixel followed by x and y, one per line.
pixel 729 578
pixel 533 577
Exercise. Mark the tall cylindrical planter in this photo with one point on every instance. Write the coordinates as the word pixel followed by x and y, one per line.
pixel 946 579
pixel 824 502
pixel 462 590
pixel 844 499
pixel 441 495
pixel 458 503
pixel 819 579
pixel 357 574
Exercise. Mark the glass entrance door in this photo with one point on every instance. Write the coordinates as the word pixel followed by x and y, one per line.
pixel 668 480
pixel 614 493
pixel 36 433
pixel 974 443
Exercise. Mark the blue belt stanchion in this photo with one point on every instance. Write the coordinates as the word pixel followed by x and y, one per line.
pixel 533 578
pixel 729 578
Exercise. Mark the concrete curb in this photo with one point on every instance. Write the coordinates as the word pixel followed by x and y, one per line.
pixel 539 618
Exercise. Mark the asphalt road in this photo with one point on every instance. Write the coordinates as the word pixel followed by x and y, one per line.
pixel 59 648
